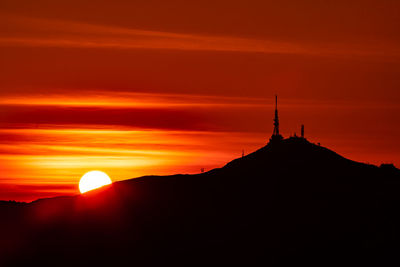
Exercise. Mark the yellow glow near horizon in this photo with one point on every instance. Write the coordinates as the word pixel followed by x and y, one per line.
pixel 31 158
pixel 92 180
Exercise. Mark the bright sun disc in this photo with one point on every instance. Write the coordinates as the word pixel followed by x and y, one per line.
pixel 92 180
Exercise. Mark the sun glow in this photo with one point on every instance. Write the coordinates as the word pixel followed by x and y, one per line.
pixel 92 180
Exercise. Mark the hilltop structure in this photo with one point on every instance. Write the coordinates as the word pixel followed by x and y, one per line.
pixel 276 136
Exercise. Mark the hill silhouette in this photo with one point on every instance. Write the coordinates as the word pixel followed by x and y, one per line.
pixel 289 202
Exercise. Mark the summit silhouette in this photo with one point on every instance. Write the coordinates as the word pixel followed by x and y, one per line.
pixel 289 202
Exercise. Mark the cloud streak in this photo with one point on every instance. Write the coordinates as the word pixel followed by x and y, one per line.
pixel 35 32
pixel 106 99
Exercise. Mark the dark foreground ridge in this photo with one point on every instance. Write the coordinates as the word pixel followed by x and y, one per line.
pixel 289 202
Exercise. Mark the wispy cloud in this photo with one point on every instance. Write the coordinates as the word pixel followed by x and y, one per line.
pixel 130 100
pixel 126 99
pixel 57 33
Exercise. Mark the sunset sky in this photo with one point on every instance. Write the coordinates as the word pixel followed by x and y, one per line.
pixel 135 88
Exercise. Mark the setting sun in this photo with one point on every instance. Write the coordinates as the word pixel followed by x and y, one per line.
pixel 92 180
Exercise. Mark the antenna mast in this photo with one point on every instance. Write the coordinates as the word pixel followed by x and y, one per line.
pixel 276 135
pixel 276 119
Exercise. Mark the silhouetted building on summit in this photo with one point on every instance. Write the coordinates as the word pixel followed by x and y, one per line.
pixel 276 135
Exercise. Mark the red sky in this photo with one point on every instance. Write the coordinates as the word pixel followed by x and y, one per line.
pixel 161 87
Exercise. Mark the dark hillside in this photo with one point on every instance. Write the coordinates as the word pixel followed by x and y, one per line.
pixel 289 202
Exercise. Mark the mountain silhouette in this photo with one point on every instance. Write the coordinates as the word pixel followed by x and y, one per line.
pixel 289 202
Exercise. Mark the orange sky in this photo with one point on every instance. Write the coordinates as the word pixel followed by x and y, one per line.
pixel 161 87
